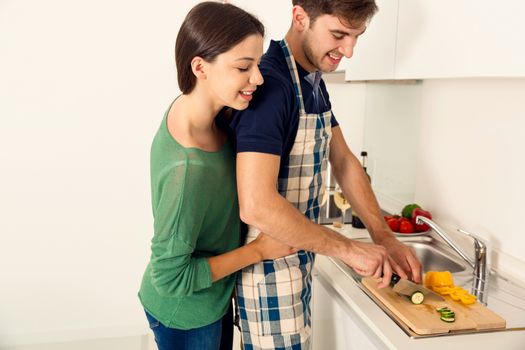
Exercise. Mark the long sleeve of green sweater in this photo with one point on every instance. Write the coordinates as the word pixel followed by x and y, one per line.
pixel 175 269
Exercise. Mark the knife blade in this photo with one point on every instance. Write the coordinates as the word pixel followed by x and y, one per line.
pixel 406 287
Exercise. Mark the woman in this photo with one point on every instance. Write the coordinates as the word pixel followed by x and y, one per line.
pixel 187 286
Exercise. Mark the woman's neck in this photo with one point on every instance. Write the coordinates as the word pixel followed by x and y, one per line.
pixel 191 121
pixel 199 110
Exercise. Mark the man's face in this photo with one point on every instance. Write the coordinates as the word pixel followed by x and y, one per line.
pixel 327 40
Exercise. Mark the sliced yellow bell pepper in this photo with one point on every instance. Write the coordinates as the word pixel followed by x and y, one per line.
pixel 443 290
pixel 468 299
pixel 442 282
pixel 438 279
pixel 460 291
pixel 455 297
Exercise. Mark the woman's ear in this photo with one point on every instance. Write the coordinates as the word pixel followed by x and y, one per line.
pixel 199 67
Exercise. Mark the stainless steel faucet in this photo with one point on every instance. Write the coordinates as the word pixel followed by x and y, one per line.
pixel 479 264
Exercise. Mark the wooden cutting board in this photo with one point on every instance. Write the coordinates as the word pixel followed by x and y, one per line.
pixel 424 319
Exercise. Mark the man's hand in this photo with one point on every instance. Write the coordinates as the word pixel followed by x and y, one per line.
pixel 405 258
pixel 368 259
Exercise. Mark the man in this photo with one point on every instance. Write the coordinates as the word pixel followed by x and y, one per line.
pixel 284 140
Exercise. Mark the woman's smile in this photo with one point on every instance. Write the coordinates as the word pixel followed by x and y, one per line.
pixel 246 94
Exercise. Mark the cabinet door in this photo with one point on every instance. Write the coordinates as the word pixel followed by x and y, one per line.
pixel 333 326
pixel 467 38
pixel 374 54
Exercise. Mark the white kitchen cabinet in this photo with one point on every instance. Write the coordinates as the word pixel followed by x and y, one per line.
pixel 334 326
pixel 467 38
pixel 374 54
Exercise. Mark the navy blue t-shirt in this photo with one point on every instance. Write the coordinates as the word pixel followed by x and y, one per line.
pixel 269 124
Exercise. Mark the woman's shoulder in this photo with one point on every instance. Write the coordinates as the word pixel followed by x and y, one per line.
pixel 191 163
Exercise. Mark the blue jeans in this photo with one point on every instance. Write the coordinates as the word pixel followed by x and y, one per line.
pixel 215 336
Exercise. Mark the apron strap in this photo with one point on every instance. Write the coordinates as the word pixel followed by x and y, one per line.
pixel 292 67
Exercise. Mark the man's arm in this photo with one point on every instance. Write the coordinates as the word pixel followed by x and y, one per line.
pixel 357 189
pixel 263 207
pixel 355 185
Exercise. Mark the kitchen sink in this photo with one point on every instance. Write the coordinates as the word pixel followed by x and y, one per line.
pixel 432 255
pixel 434 260
pixel 505 297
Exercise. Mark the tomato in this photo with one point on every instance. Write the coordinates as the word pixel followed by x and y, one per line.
pixel 405 226
pixel 393 223
pixel 420 212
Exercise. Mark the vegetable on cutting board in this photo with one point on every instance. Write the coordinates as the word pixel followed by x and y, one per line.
pixel 417 297
pixel 442 283
pixel 446 315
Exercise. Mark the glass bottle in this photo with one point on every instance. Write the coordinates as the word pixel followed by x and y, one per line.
pixel 356 220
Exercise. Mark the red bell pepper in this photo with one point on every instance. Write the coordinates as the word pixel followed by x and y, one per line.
pixel 420 212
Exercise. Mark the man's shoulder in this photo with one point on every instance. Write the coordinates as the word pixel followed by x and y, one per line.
pixel 277 87
pixel 274 68
pixel 274 73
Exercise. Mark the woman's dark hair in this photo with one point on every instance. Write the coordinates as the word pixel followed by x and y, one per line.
pixel 210 29
pixel 355 12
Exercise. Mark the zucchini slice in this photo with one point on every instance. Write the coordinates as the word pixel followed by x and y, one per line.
pixel 447 319
pixel 417 297
pixel 443 309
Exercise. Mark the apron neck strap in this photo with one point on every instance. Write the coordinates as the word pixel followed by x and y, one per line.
pixel 292 67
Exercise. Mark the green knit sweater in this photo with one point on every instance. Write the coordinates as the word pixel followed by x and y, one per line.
pixel 196 216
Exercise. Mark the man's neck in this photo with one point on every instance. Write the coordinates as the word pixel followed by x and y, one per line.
pixel 294 40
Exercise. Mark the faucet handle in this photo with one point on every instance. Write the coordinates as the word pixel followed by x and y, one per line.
pixel 478 242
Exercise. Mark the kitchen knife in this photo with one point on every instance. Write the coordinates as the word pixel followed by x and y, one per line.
pixel 406 287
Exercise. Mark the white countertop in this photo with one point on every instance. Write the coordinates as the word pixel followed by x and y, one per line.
pixel 386 330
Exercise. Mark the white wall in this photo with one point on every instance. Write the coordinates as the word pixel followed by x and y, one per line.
pixel 390 136
pixel 83 88
pixel 348 105
pixel 276 15
pixel 471 168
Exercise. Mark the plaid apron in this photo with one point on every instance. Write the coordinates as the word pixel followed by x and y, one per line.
pixel 273 296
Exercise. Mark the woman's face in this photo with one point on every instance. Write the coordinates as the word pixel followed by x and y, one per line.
pixel 234 75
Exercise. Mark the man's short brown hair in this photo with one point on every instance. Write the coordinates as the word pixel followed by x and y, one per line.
pixel 355 12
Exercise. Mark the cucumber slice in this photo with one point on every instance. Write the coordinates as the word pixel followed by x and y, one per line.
pixel 417 297
pixel 447 319
pixel 443 309
pixel 448 314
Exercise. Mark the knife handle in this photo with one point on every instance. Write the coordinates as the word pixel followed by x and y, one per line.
pixel 395 278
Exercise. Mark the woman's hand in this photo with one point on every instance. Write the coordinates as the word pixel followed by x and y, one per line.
pixel 270 248
pixel 263 247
